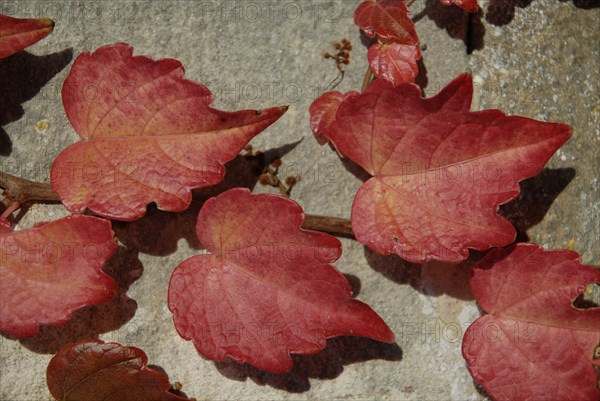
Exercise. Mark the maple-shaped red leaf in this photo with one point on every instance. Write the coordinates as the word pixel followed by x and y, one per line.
pixel 440 171
pixel 388 20
pixel 92 370
pixel 394 62
pixel 49 271
pixel 533 344
pixel 16 33
pixel 467 5
pixel 148 135
pixel 267 289
pixel 322 110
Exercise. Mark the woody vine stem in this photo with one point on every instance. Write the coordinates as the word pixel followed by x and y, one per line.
pixel 19 191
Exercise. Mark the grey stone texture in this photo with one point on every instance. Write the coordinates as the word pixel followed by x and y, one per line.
pixel 538 60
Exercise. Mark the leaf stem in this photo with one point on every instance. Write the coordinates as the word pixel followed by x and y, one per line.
pixel 332 225
pixel 368 78
pixel 9 210
pixel 20 190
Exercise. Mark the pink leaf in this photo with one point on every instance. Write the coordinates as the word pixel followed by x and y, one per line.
pixel 533 344
pixel 467 5
pixel 388 20
pixel 148 135
pixel 394 62
pixel 267 289
pixel 322 110
pixel 16 34
pixel 440 171
pixel 49 271
pixel 92 370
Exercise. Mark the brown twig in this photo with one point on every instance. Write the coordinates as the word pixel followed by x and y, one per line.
pixel 332 225
pixel 341 58
pixel 20 190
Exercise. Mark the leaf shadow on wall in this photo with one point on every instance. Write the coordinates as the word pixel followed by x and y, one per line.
pixel 180 393
pixel 158 232
pixel 22 76
pixel 585 4
pixel 435 278
pixel 537 195
pixel 353 167
pixel 459 24
pixel 88 322
pixel 431 278
pixel 502 12
pixel 326 365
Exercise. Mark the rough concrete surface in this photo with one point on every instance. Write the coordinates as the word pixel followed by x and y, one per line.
pixel 538 60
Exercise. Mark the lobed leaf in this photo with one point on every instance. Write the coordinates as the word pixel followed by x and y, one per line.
pixel 52 270
pixel 267 289
pixel 388 20
pixel 439 171
pixel 18 33
pixel 533 344
pixel 148 135
pixel 93 370
pixel 394 62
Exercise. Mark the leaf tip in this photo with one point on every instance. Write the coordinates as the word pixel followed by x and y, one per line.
pixel 387 335
pixel 49 23
pixel 280 109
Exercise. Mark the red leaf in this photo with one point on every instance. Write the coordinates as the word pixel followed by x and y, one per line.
pixel 5 227
pixel 50 271
pixel 534 344
pixel 467 5
pixel 394 62
pixel 322 111
pixel 149 135
pixel 16 34
pixel 386 19
pixel 92 370
pixel 440 171
pixel 267 289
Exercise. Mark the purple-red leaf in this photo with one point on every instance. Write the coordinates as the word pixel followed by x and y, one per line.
pixel 92 370
pixel 16 34
pixel 49 271
pixel 388 20
pixel 148 135
pixel 440 171
pixel 467 5
pixel 394 62
pixel 267 289
pixel 533 344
